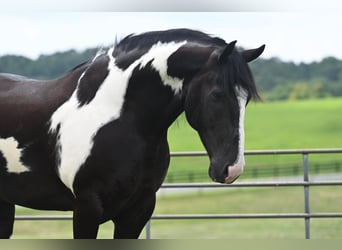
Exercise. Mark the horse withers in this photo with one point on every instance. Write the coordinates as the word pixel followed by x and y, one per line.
pixel 94 141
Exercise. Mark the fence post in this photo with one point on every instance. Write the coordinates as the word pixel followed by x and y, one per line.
pixel 306 195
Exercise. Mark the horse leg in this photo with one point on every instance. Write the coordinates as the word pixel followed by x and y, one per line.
pixel 7 211
pixel 131 222
pixel 87 216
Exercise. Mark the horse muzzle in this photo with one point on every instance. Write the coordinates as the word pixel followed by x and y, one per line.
pixel 234 172
pixel 227 174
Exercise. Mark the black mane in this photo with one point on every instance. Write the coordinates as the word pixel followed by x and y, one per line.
pixel 235 66
pixel 148 39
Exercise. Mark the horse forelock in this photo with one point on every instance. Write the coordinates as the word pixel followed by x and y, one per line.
pixel 237 74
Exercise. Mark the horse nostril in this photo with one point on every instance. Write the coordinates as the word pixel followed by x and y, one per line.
pixel 218 173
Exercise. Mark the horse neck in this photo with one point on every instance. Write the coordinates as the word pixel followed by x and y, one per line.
pixel 158 79
pixel 152 105
pixel 143 87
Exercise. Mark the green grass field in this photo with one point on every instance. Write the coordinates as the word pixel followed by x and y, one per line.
pixel 275 125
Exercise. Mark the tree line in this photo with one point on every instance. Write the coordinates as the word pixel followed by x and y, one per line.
pixel 276 79
pixel 45 66
pixel 280 80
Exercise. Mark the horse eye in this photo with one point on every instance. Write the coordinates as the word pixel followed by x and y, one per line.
pixel 217 94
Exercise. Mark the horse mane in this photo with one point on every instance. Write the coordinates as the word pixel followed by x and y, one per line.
pixel 148 39
pixel 235 66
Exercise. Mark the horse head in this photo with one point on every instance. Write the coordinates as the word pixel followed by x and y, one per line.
pixel 215 98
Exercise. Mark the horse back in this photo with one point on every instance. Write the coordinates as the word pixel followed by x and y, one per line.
pixel 26 104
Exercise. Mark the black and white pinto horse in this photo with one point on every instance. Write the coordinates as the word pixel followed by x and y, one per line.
pixel 94 141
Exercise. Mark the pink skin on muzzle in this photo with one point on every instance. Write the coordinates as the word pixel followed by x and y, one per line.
pixel 233 173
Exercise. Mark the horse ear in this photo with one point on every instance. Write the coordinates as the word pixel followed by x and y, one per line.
pixel 252 54
pixel 226 52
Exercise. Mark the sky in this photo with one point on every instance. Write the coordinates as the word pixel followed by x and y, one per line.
pixel 289 35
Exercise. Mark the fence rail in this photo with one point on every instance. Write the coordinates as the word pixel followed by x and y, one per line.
pixel 261 170
pixel 269 152
pixel 306 183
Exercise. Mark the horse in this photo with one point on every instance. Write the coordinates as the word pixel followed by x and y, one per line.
pixel 94 140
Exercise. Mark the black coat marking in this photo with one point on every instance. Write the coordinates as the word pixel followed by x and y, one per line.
pixel 3 162
pixel 94 76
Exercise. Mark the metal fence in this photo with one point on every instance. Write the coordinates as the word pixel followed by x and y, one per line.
pixel 305 183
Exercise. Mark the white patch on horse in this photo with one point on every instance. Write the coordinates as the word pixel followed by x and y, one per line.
pixel 159 53
pixel 78 125
pixel 12 154
pixel 242 99
pixel 237 168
